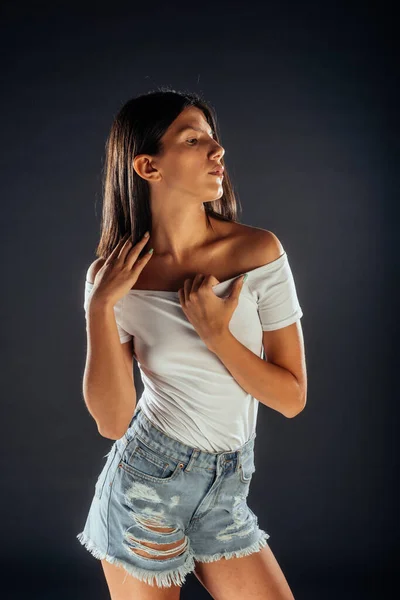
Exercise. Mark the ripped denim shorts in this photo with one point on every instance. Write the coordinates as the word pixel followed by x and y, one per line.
pixel 153 488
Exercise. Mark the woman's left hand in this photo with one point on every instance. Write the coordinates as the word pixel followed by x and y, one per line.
pixel 209 314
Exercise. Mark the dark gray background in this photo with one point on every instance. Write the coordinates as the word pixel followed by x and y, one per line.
pixel 305 105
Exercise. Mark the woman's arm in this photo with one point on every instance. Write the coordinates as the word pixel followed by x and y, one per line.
pixel 108 385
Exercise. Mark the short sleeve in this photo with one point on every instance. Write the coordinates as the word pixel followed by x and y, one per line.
pixel 124 336
pixel 274 286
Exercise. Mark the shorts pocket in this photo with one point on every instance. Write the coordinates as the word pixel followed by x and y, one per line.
pixel 247 468
pixel 145 463
pixel 98 490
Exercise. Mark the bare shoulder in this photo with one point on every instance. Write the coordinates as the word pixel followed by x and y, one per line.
pixel 255 247
pixel 94 268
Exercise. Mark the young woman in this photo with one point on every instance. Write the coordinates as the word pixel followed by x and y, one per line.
pixel 210 345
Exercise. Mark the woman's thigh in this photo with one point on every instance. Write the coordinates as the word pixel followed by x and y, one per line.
pixel 257 576
pixel 123 586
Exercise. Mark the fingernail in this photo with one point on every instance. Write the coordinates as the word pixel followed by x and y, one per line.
pixel 245 277
pixel 146 234
pixel 151 251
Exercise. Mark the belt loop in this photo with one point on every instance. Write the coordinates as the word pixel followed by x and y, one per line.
pixel 238 460
pixel 193 457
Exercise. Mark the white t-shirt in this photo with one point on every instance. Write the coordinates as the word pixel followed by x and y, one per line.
pixel 188 392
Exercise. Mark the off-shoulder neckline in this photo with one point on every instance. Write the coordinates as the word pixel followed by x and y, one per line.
pixel 172 293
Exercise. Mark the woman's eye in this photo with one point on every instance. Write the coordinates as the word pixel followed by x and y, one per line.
pixel 196 140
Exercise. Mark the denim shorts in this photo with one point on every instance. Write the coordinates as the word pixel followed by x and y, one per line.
pixel 182 494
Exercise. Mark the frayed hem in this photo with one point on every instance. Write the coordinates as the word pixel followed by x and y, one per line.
pixel 256 547
pixel 166 579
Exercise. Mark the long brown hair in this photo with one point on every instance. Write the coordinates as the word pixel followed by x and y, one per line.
pixel 137 129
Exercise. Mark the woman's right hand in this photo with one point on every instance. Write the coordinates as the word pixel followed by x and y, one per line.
pixel 120 270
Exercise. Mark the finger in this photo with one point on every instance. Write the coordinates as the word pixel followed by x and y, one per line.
pixel 140 264
pixel 115 251
pixel 187 287
pixel 132 252
pixel 237 287
pixel 127 246
pixel 197 281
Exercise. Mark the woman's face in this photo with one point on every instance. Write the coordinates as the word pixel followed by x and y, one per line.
pixel 190 153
